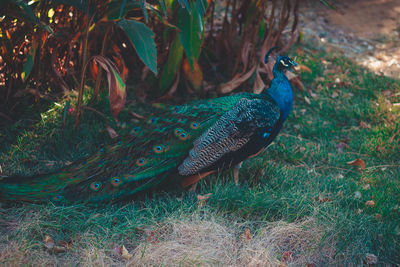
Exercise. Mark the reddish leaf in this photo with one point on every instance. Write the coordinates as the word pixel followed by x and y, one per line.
pixel 116 85
pixel 370 203
pixel 287 256
pixel 246 235
pixel 357 162
pixel 202 199
pixel 195 75
pixel 111 132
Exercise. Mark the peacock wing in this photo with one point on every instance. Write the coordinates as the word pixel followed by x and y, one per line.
pixel 231 132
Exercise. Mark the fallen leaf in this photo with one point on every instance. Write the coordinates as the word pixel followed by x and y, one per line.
pixel 59 249
pixel 125 253
pixel 378 217
pixel 371 258
pixel 48 242
pixel 370 203
pixel 305 68
pixel 386 93
pixel 341 146
pixel 323 200
pixel 202 199
pixel 357 162
pixel 111 132
pixel 307 100
pixel 246 235
pixel 312 94
pixel 334 94
pixel 364 125
pixel 367 187
pixel 152 237
pixel 295 80
pixel 287 256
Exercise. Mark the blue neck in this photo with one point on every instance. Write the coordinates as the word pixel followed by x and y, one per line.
pixel 281 91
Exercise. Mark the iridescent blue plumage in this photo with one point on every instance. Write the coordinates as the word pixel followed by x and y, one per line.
pixel 179 143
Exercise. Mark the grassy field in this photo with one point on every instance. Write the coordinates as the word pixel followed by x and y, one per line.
pixel 298 203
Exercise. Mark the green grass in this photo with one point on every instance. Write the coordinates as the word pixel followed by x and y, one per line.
pixel 300 189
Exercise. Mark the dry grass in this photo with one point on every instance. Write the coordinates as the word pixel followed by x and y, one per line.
pixel 192 241
pixel 195 242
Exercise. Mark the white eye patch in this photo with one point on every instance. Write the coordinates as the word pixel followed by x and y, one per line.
pixel 283 63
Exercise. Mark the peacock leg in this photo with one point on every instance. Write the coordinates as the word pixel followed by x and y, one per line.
pixel 236 169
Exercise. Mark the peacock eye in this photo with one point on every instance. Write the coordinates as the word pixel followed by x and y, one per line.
pixel 158 149
pixel 140 162
pixel 115 181
pixel 194 125
pixel 95 186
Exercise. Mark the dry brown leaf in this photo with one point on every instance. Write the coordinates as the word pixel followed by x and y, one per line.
pixel 116 85
pixel 357 162
pixel 341 146
pixel 246 235
pixel 151 237
pixel 125 253
pixel 296 81
pixel 334 94
pixel 312 94
pixel 371 258
pixel 305 68
pixel 287 256
pixel 364 125
pixel 48 242
pixel 235 82
pixel 59 249
pixel 111 132
pixel 202 199
pixel 378 217
pixel 370 203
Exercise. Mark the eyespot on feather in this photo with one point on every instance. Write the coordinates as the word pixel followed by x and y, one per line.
pixel 116 181
pixel 184 136
pixel 135 130
pixel 158 149
pixel 194 125
pixel 95 186
pixel 57 198
pixel 141 161
pixel 178 131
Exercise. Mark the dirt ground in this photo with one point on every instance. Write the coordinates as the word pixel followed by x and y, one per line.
pixel 368 30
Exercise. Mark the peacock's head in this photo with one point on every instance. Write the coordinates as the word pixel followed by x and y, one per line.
pixel 284 63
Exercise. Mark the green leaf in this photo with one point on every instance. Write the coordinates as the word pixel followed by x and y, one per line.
pixel 28 14
pixel 143 5
pixel 190 33
pixel 142 39
pixel 116 86
pixel 29 63
pixel 185 4
pixel 113 11
pixel 172 65
pixel 163 7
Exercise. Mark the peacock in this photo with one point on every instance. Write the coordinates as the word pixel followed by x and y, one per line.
pixel 173 145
